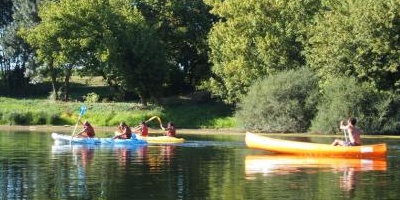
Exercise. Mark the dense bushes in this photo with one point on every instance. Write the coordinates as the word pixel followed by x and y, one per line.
pixel 342 98
pixel 282 103
pixel 20 117
pixel 293 101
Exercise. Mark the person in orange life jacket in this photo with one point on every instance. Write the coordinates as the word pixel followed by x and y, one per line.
pixel 124 132
pixel 142 129
pixel 170 130
pixel 354 134
pixel 88 130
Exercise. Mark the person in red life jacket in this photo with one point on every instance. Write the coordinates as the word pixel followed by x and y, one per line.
pixel 170 130
pixel 124 132
pixel 88 130
pixel 142 130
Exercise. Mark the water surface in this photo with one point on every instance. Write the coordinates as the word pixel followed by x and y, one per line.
pixel 205 167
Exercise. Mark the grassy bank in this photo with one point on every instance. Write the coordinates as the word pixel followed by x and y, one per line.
pixel 45 112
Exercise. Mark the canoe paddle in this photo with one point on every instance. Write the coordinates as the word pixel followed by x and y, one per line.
pixel 151 118
pixel 345 135
pixel 82 111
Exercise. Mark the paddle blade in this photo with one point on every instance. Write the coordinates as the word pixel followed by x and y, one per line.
pixel 82 110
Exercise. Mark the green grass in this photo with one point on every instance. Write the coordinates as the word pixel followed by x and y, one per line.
pixel 33 107
pixel 44 112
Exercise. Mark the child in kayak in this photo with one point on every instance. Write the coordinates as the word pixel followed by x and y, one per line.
pixel 354 134
pixel 170 130
pixel 142 130
pixel 88 130
pixel 124 132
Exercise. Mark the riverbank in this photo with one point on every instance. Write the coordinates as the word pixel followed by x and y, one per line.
pixel 106 129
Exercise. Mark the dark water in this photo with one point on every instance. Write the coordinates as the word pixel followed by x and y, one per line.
pixel 205 167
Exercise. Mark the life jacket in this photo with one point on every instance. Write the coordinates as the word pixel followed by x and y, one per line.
pixel 144 131
pixel 89 130
pixel 171 132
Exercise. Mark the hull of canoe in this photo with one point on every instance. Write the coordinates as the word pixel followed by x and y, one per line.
pixel 313 149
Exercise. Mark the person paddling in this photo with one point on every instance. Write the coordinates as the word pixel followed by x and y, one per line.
pixel 353 132
pixel 88 130
pixel 124 132
pixel 170 130
pixel 142 129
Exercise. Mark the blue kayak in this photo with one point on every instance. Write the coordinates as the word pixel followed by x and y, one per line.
pixel 67 139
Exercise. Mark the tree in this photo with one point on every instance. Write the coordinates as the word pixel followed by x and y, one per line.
pixel 104 37
pixel 183 26
pixel 255 39
pixel 359 39
pixel 16 56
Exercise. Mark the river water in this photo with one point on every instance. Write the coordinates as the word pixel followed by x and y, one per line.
pixel 204 167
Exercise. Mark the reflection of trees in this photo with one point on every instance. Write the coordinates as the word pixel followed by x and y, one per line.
pixel 348 182
pixel 71 172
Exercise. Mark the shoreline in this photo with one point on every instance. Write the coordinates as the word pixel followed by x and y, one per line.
pixel 107 129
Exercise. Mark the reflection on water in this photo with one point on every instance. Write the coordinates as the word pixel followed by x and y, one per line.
pixel 348 168
pixel 31 167
pixel 86 158
pixel 348 181
pixel 286 164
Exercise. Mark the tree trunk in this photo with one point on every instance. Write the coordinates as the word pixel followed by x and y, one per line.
pixel 66 82
pixel 143 100
pixel 53 80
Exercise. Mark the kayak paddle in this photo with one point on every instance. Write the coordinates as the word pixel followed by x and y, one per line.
pixel 82 111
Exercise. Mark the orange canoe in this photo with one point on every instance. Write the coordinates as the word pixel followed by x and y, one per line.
pixel 283 164
pixel 313 149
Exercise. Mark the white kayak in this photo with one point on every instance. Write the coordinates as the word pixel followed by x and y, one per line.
pixel 66 139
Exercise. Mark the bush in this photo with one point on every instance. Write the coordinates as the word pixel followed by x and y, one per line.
pixel 39 118
pixel 285 102
pixel 376 112
pixel 17 118
pixel 92 97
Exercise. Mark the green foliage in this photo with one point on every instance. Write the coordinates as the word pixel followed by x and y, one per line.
pixel 92 97
pixel 285 102
pixel 110 38
pixel 357 38
pixel 40 112
pixel 253 39
pixel 344 97
pixel 200 115
pixel 183 26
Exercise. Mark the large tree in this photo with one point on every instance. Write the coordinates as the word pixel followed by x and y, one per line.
pixel 358 38
pixel 183 26
pixel 15 55
pixel 254 39
pixel 106 37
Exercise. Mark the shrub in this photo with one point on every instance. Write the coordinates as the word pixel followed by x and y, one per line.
pixel 344 97
pixel 92 97
pixel 285 102
pixel 17 118
pixel 39 118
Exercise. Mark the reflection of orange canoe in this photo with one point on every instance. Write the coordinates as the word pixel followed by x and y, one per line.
pixel 278 164
pixel 307 148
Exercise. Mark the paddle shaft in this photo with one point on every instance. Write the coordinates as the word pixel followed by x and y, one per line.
pixel 81 112
pixel 159 120
pixel 76 125
pixel 345 135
